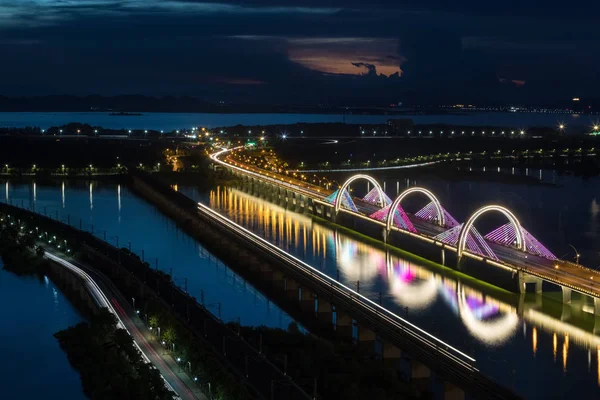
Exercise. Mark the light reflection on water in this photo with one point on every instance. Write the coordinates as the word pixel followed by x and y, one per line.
pixel 475 321
pixel 113 213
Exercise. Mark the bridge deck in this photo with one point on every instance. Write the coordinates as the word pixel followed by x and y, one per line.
pixel 567 274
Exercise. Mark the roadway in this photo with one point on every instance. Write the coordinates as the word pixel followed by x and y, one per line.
pixel 106 295
pixel 573 276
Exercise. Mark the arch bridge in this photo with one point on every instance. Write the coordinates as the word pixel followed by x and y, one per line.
pixel 435 222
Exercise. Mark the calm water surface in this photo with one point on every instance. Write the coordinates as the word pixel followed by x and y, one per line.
pixel 540 348
pixel 34 366
pixel 112 212
pixel 173 121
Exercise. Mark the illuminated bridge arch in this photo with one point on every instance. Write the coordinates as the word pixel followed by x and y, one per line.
pixel 338 197
pixel 436 203
pixel 519 237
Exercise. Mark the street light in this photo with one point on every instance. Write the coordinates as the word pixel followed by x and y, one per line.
pixel 576 254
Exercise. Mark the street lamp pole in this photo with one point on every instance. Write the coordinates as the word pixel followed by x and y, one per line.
pixel 576 254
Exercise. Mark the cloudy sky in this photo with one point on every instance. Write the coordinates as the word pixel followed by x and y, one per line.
pixel 303 51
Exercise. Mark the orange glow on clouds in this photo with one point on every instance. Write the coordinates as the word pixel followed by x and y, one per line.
pixel 337 55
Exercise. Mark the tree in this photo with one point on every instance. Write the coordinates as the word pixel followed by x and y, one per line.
pixel 104 322
pixel 153 321
pixel 169 335
pixel 40 251
pixel 27 241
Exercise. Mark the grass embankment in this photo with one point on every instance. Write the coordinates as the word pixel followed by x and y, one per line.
pixel 110 365
pixel 499 293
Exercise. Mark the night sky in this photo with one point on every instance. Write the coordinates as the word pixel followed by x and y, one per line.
pixel 303 51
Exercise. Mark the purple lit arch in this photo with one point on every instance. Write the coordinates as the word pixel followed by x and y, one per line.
pixel 462 237
pixel 344 187
pixel 436 203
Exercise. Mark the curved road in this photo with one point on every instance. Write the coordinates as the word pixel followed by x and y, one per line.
pixel 106 295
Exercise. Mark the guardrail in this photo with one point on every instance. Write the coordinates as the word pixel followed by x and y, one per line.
pixel 424 337
pixel 448 360
pixel 501 264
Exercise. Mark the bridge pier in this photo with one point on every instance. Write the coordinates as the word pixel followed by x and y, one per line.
pixel 453 392
pixel 367 338
pixel 292 289
pixel 325 311
pixel 521 305
pixel 597 307
pixel 390 354
pixel 385 233
pixel 524 278
pixel 420 374
pixel 278 280
pixel 308 301
pixel 344 324
pixel 566 295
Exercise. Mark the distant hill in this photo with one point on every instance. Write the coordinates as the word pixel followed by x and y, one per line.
pixel 138 103
pixel 128 103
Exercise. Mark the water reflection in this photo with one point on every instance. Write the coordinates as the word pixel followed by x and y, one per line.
pixel 110 211
pixel 476 320
pixel 361 266
pixel 91 197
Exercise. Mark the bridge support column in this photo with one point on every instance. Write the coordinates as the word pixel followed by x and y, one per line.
pixel 343 324
pixel 524 278
pixel 278 280
pixel 366 339
pixel 522 306
pixel 325 311
pixel 420 374
pixel 597 306
pixel 452 392
pixel 291 289
pixel 390 354
pixel 307 301
pixel 566 295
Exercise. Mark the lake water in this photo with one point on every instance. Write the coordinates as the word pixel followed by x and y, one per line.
pixel 541 349
pixel 113 213
pixel 33 364
pixel 173 121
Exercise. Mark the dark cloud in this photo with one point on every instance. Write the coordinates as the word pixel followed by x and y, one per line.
pixel 345 51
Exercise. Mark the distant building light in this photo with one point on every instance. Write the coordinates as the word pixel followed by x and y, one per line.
pixel 575 98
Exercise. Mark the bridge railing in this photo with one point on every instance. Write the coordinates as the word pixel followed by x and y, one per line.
pixel 279 182
pixel 423 337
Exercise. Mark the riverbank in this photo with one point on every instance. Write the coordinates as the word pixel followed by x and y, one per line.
pixel 197 335
pixel 110 365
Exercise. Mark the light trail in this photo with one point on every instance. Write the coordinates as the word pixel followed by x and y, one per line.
pixel 102 300
pixel 423 336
